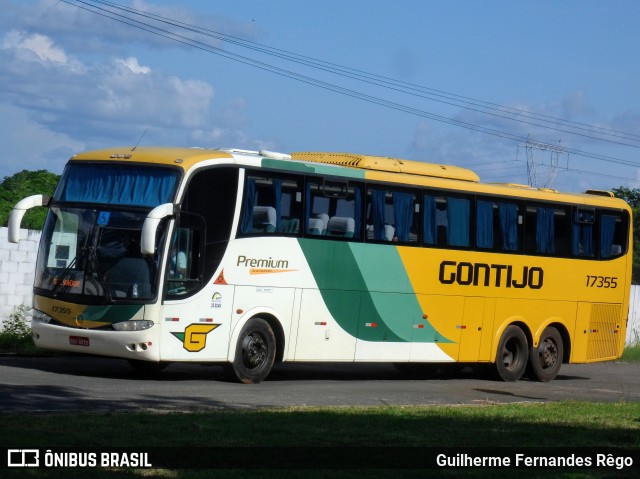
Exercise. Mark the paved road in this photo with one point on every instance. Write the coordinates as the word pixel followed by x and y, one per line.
pixel 68 384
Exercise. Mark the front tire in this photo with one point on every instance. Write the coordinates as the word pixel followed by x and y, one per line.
pixel 545 360
pixel 255 353
pixel 512 355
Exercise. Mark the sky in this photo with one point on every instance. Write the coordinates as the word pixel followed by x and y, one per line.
pixel 485 85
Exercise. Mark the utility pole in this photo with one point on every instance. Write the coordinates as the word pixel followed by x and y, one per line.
pixel 531 147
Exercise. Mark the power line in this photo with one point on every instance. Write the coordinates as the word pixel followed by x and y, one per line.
pixel 391 83
pixel 173 36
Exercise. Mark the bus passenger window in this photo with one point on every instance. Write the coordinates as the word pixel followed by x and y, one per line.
pixel 547 230
pixel 613 235
pixel 497 225
pixel 446 221
pixel 582 232
pixel 271 206
pixel 391 216
pixel 333 209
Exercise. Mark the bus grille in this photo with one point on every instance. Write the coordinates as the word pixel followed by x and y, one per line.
pixel 604 332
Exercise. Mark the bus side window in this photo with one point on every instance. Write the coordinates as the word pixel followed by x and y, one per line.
pixel 582 232
pixel 547 230
pixel 333 209
pixel 613 239
pixel 392 216
pixel 271 206
pixel 497 225
pixel 446 220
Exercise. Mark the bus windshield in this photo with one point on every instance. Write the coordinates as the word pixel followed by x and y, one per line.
pixel 95 253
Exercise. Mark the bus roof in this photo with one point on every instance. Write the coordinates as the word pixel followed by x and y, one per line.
pixel 185 158
pixel 376 167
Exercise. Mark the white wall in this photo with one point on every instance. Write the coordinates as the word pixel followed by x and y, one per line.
pixel 17 270
pixel 633 326
pixel 18 263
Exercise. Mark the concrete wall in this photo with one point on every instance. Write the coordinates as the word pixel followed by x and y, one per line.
pixel 633 326
pixel 18 262
pixel 17 269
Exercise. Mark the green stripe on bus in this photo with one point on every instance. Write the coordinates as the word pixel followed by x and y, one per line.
pixel 110 313
pixel 384 303
pixel 319 169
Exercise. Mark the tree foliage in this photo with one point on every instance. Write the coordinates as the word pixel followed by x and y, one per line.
pixel 23 184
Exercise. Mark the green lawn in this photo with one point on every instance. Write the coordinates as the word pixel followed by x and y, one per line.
pixel 417 430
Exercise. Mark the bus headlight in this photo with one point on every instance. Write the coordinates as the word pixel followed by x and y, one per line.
pixel 40 317
pixel 134 325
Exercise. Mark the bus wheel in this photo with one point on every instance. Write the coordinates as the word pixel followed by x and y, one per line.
pixel 545 360
pixel 512 356
pixel 255 352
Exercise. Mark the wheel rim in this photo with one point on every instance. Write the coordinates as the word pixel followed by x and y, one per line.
pixel 548 353
pixel 254 351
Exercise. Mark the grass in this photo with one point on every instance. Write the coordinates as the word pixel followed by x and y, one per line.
pixel 11 344
pixel 329 432
pixel 323 435
pixel 632 354
pixel 573 424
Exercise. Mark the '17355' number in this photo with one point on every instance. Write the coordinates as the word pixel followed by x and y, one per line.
pixel 602 281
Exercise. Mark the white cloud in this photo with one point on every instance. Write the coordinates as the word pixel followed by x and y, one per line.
pixel 41 45
pixel 72 80
pixel 132 64
pixel 35 47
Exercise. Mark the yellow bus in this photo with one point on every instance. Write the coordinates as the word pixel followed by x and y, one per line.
pixel 243 258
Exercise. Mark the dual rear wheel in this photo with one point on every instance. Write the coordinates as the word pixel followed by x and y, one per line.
pixel 514 356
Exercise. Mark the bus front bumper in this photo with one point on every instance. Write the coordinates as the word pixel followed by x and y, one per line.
pixel 143 345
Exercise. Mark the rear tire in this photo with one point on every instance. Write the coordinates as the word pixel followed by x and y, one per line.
pixel 255 353
pixel 546 359
pixel 512 355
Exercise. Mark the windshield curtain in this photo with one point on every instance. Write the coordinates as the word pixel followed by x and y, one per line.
pixel 121 185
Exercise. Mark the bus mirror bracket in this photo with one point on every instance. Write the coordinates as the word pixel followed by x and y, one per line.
pixel 150 226
pixel 19 211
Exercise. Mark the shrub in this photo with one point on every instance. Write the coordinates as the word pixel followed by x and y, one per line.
pixel 16 330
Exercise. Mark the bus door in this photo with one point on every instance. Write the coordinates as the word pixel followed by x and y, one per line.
pixel 195 315
pixel 198 302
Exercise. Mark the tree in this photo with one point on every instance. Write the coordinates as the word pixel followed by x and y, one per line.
pixel 632 196
pixel 23 184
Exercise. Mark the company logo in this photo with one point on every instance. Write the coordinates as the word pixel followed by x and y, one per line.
pixel 194 338
pixel 264 265
pixel 23 458
pixel 497 275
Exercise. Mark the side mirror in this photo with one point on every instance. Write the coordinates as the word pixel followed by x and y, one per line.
pixel 150 226
pixel 19 211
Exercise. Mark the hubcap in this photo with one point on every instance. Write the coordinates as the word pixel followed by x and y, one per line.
pixel 548 353
pixel 254 351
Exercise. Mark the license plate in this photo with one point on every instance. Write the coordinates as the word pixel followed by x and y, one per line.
pixel 78 341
